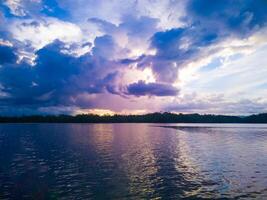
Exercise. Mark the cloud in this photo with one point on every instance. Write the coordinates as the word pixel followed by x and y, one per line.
pixel 91 54
pixel 56 78
pixel 216 104
pixel 61 79
pixel 146 26
pixel 106 47
pixel 22 8
pixel 207 26
pixel 175 49
pixel 167 12
pixel 241 77
pixel 151 89
pixel 228 17
pixel 42 31
pixel 126 35
pixel 7 55
pixel 16 7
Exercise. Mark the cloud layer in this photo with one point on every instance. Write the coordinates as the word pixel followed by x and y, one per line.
pixel 127 55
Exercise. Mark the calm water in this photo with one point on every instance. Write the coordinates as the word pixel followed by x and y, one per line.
pixel 133 161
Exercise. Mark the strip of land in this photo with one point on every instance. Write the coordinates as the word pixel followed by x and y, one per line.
pixel 146 118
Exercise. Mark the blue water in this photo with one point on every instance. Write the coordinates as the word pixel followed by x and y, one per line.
pixel 133 161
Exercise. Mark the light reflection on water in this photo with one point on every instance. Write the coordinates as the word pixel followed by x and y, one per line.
pixel 133 161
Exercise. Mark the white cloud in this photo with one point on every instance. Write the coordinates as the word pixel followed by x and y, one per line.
pixel 235 85
pixel 20 7
pixel 234 56
pixel 41 32
pixel 241 85
pixel 216 104
pixel 15 7
pixel 167 11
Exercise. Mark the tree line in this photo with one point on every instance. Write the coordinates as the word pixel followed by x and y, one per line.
pixel 146 118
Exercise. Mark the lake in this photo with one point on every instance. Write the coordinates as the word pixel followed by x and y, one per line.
pixel 133 161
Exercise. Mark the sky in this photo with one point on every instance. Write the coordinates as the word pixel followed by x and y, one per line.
pixel 133 56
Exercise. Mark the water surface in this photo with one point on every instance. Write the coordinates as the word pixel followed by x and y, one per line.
pixel 133 161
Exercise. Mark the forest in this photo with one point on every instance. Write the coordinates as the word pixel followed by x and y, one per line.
pixel 165 117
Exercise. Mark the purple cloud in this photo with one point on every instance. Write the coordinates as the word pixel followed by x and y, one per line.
pixel 56 78
pixel 151 89
pixel 66 73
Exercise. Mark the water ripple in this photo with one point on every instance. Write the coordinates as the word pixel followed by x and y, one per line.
pixel 133 161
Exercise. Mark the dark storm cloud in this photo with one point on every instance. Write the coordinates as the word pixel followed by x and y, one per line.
pixel 7 55
pixel 228 16
pixel 128 61
pixel 208 22
pixel 104 47
pixel 175 48
pixel 151 89
pixel 56 78
pixel 59 79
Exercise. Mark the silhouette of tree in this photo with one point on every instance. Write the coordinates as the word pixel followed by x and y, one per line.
pixel 146 118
